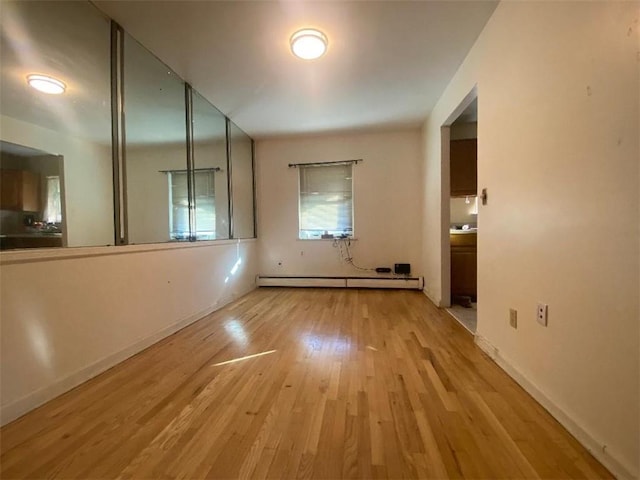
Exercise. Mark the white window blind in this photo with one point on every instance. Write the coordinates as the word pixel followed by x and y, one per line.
pixel 326 200
pixel 204 208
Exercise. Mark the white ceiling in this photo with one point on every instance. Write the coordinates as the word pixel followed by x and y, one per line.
pixel 387 63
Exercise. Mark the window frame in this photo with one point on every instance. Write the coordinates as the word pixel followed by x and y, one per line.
pixel 211 172
pixel 353 215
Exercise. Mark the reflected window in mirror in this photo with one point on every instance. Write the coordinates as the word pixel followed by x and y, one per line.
pixel 205 208
pixel 210 155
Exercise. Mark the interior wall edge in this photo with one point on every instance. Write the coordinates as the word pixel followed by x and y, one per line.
pixel 33 400
pixel 597 448
pixel 430 295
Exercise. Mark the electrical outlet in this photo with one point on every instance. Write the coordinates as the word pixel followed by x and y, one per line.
pixel 513 317
pixel 541 314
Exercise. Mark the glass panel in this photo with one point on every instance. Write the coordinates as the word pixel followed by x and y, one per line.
pixel 326 203
pixel 65 136
pixel 210 161
pixel 242 183
pixel 155 143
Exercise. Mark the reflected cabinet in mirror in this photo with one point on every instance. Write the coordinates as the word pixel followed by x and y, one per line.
pixel 55 150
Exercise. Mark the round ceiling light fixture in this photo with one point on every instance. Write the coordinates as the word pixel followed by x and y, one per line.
pixel 308 43
pixel 46 84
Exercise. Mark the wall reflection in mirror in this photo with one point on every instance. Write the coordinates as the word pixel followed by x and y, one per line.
pixel 59 146
pixel 242 183
pixel 155 143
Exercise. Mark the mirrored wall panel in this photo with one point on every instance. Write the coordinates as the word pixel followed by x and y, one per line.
pixel 55 126
pixel 155 149
pixel 210 171
pixel 242 183
pixel 56 155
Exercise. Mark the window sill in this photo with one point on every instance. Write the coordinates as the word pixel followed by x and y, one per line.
pixel 9 257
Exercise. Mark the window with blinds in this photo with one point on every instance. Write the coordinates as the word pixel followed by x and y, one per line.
pixel 326 201
pixel 205 209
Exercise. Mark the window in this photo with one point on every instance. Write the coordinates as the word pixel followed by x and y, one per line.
pixel 326 200
pixel 53 207
pixel 205 210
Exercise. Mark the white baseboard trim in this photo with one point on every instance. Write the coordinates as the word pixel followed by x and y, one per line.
pixel 431 297
pixel 16 409
pixel 598 449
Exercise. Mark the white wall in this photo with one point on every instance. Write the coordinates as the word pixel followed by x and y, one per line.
pixel 387 214
pixel 558 124
pixel 67 319
pixel 87 179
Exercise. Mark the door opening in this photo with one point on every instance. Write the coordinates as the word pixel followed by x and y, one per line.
pixel 461 205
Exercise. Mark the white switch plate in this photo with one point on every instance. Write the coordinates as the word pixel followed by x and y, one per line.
pixel 541 314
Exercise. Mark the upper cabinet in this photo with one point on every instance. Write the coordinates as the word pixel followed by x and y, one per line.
pixel 464 167
pixel 20 190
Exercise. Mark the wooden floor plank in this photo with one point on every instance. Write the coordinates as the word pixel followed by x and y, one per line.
pixel 336 383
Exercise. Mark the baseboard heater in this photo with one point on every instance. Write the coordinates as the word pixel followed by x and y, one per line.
pixel 413 283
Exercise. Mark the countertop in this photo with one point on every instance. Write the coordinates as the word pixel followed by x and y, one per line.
pixel 31 235
pixel 455 231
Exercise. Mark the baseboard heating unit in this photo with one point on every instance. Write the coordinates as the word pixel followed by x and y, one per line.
pixel 405 282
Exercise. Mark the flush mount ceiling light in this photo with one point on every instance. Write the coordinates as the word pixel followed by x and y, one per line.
pixel 46 84
pixel 308 43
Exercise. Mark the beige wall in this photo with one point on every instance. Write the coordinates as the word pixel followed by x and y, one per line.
pixel 67 319
pixel 558 123
pixel 387 219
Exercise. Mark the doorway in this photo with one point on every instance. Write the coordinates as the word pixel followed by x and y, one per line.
pixel 32 203
pixel 461 205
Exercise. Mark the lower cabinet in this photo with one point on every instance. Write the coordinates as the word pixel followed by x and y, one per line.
pixel 9 243
pixel 464 264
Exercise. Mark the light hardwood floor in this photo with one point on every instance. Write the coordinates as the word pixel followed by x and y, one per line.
pixel 350 383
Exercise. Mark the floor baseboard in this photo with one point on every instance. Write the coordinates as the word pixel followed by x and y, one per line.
pixel 16 409
pixel 597 449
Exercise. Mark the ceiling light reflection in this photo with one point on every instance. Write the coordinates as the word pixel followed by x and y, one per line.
pixel 46 84
pixel 236 330
pixel 318 342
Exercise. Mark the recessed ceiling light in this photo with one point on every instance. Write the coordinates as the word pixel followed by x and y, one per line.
pixel 308 43
pixel 46 84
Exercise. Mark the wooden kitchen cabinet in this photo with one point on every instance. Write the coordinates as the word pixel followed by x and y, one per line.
pixel 463 156
pixel 464 264
pixel 30 241
pixel 19 190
